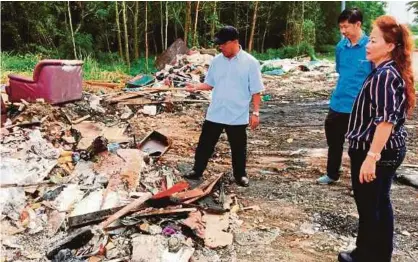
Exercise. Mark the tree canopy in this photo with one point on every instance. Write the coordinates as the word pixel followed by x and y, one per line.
pixel 120 29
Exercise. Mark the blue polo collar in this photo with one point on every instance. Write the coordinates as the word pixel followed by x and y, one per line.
pixel 361 42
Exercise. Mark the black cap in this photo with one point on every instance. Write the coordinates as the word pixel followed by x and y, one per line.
pixel 225 34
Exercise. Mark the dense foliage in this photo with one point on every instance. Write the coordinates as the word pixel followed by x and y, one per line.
pixel 44 27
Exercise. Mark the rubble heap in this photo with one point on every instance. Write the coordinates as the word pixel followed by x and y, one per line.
pixel 78 184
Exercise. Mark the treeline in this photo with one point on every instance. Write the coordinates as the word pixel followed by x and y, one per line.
pixel 130 30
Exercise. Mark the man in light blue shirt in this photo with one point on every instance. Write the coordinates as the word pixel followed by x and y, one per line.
pixel 353 69
pixel 234 77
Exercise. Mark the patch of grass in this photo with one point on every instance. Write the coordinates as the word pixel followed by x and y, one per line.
pixel 286 52
pixel 416 43
pixel 108 67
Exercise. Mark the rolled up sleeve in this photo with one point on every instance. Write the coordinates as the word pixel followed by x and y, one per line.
pixel 255 79
pixel 383 97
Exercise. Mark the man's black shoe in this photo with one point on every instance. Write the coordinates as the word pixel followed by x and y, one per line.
pixel 193 176
pixel 347 256
pixel 242 181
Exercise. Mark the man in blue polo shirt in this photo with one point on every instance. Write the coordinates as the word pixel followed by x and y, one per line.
pixel 353 68
pixel 234 77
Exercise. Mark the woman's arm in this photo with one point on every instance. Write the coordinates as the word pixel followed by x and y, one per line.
pixel 385 102
pixel 381 136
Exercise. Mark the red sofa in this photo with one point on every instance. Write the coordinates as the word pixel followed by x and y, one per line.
pixel 56 81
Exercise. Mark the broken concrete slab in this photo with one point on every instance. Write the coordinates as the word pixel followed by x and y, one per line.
pixel 148 248
pixel 183 255
pixel 96 201
pixel 55 220
pixel 12 202
pixel 115 134
pixel 215 235
pixel 89 131
pixel 126 166
pixel 149 110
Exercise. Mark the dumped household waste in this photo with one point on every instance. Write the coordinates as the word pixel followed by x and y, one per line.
pixel 304 68
pixel 80 184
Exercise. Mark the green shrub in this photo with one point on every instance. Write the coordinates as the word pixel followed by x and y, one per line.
pixel 325 49
pixel 106 66
pixel 23 63
pixel 308 32
pixel 287 52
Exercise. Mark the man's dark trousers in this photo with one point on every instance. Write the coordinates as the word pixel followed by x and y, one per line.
pixel 336 125
pixel 237 137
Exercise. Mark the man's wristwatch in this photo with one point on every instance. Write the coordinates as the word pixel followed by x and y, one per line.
pixel 256 113
pixel 375 156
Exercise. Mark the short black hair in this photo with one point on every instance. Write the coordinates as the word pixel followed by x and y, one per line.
pixel 352 15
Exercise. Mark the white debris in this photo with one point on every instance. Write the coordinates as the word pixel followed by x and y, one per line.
pixel 68 197
pixel 149 110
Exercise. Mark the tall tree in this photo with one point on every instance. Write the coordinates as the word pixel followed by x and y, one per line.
pixel 72 31
pixel 195 24
pixel 162 25
pixel 214 19
pixel 125 27
pixel 136 40
pixel 250 42
pixel 266 28
pixel 246 23
pixel 166 24
pixel 146 36
pixel 187 21
pixel 118 28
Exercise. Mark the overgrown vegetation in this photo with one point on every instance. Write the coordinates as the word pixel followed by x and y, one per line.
pixel 108 41
pixel 287 52
pixel 107 67
pixel 36 27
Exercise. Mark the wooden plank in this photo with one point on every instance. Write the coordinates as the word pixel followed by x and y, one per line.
pixel 105 84
pixel 160 212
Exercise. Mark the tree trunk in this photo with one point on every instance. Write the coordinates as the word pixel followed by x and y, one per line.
pixel 136 40
pixel 250 43
pixel 214 18
pixel 125 27
pixel 119 33
pixel 187 21
pixel 266 28
pixel 146 36
pixel 166 24
pixel 195 24
pixel 257 47
pixel 72 31
pixel 162 26
pixel 236 15
pixel 246 24
pixel 107 42
pixel 154 42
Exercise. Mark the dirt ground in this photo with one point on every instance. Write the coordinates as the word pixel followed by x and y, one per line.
pixel 299 220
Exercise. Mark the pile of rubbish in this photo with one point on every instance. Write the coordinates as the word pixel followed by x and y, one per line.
pixel 304 68
pixel 77 184
pixel 79 190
